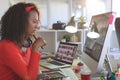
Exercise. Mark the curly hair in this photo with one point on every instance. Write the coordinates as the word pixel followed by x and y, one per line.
pixel 15 20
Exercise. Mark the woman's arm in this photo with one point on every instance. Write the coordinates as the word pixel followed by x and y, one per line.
pixel 13 59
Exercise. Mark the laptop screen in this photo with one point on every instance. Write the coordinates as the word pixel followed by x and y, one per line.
pixel 66 52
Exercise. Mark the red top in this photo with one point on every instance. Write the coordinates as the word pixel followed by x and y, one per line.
pixel 17 65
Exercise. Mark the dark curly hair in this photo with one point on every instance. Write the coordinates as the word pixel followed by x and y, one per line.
pixel 15 21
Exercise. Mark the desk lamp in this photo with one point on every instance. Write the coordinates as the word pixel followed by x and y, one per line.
pixel 71 26
pixel 73 23
pixel 93 33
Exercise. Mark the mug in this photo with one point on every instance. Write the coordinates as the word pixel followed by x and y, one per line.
pixel 85 75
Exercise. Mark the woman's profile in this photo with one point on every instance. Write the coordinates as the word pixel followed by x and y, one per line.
pixel 19 55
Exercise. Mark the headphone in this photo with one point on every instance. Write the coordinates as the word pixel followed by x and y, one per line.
pixel 27 43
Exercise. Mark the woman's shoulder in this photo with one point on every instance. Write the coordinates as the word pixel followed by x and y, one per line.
pixel 6 43
pixel 7 47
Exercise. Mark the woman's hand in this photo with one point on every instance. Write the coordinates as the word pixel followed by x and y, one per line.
pixel 39 42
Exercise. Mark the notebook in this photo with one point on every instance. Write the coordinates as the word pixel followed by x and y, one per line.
pixel 63 57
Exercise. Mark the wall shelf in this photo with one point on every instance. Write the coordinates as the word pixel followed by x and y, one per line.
pixel 53 37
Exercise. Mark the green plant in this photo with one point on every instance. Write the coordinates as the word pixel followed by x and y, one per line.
pixel 67 37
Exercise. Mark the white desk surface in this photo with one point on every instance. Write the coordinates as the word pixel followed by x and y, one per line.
pixel 72 67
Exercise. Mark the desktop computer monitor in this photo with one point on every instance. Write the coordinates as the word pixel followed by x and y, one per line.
pixel 117 29
pixel 95 49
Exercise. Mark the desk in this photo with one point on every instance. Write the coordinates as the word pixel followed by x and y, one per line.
pixel 72 69
pixel 69 70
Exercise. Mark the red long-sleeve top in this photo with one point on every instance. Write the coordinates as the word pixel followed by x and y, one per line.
pixel 16 64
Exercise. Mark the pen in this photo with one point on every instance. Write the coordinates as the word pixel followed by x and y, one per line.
pixel 36 38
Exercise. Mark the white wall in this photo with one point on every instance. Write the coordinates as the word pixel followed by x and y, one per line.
pixel 116 7
pixel 95 7
pixel 4 4
pixel 59 12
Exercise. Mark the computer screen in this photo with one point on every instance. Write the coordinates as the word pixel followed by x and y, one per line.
pixel 66 52
pixel 117 29
pixel 95 49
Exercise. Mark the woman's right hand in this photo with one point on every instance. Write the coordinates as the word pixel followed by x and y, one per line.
pixel 39 42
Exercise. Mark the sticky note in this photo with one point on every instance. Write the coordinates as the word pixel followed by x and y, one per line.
pixel 111 19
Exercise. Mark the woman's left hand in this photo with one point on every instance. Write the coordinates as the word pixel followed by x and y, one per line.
pixel 39 42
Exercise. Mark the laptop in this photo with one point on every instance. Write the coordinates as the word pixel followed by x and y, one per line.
pixel 63 57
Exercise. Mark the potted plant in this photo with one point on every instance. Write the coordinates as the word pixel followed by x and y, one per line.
pixel 81 22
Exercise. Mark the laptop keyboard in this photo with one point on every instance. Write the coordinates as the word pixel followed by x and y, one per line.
pixel 56 63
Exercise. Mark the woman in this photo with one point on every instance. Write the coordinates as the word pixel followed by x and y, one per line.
pixel 19 55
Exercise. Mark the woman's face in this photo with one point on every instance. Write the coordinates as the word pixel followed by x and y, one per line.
pixel 33 22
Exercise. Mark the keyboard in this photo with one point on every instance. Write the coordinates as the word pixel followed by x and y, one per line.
pixel 56 63
pixel 69 72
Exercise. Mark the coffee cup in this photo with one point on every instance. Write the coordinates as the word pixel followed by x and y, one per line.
pixel 85 75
